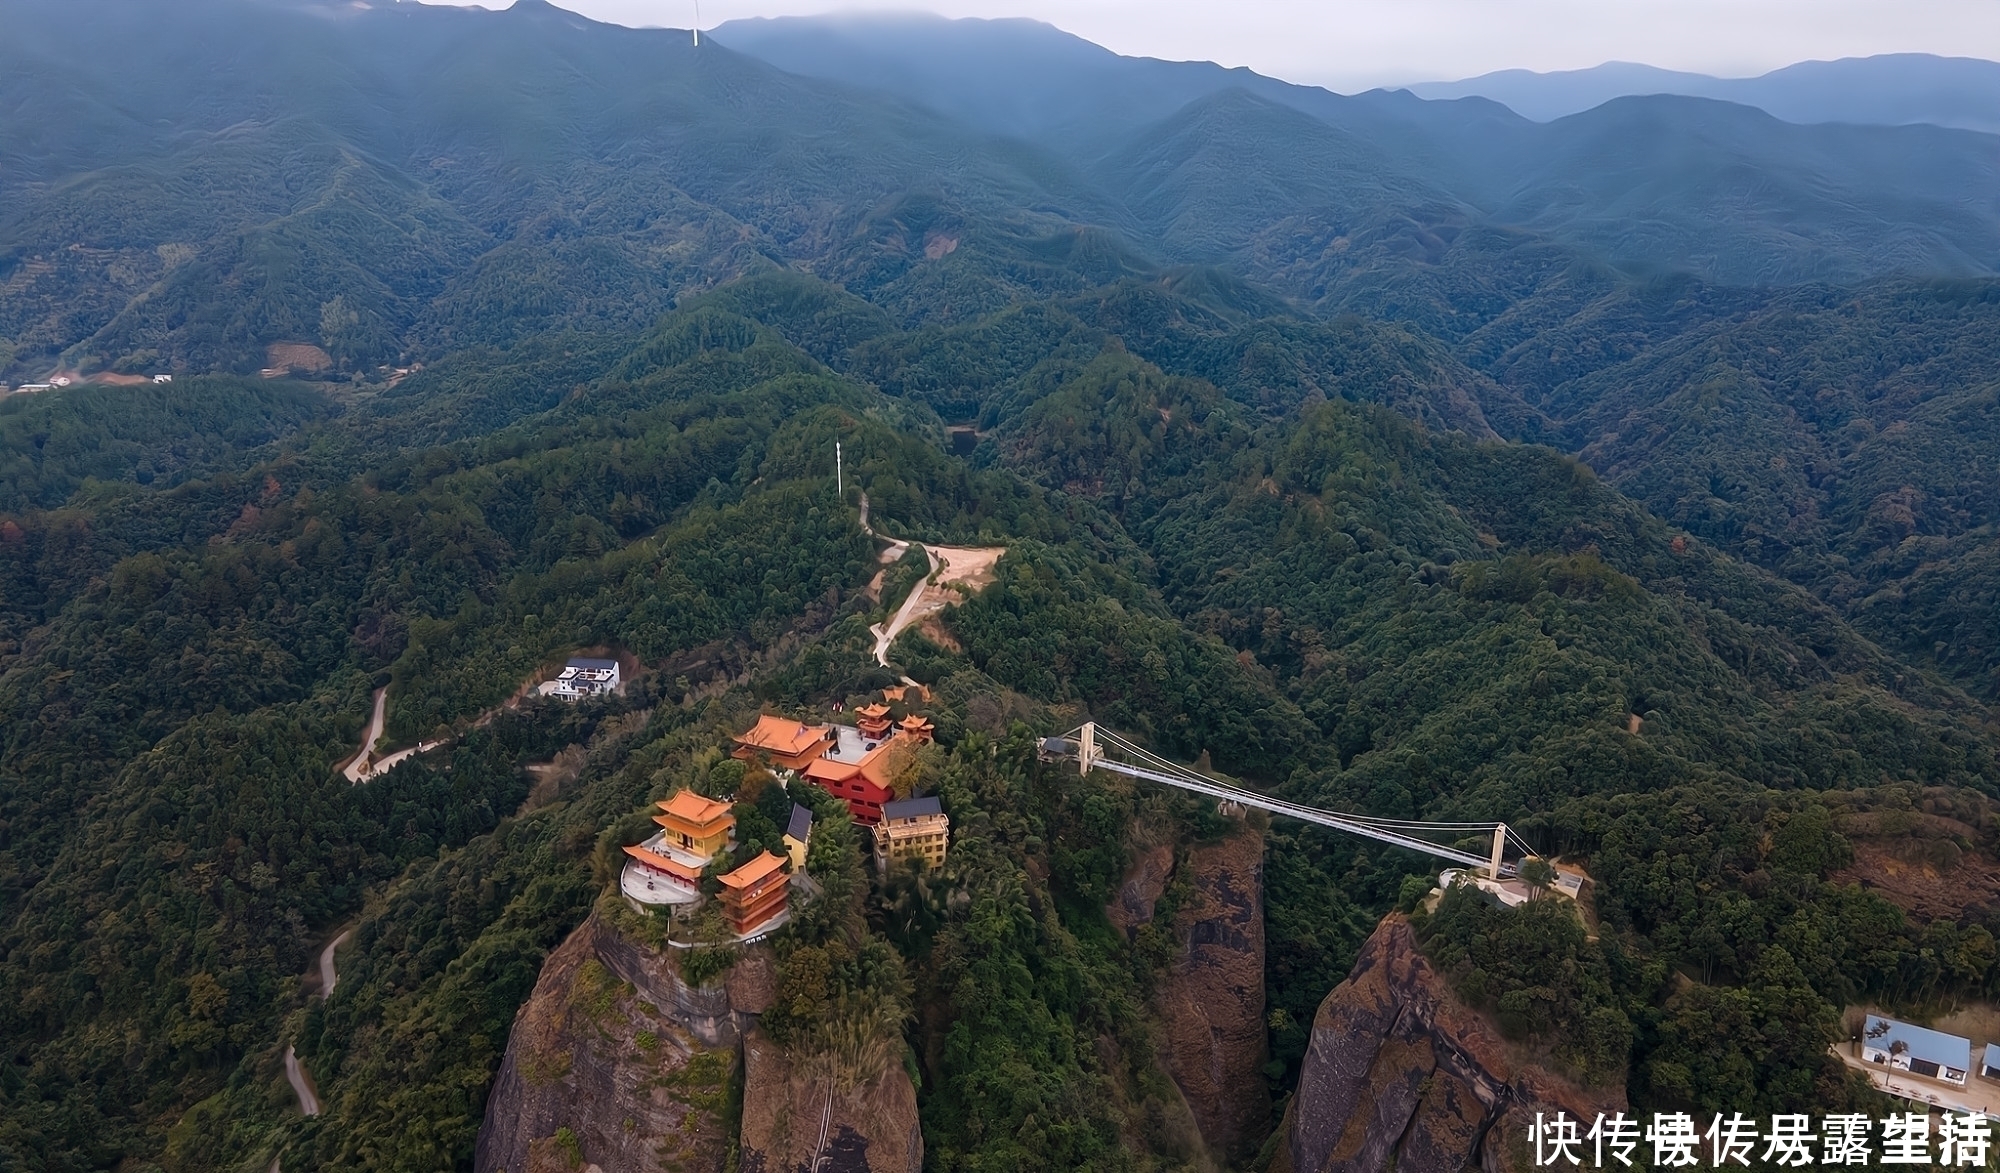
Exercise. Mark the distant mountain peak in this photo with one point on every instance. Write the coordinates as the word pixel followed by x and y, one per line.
pixel 1892 89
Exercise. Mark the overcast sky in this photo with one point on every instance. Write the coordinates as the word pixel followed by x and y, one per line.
pixel 1352 44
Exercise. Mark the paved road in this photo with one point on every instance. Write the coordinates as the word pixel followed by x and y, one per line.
pixel 327 976
pixel 295 1074
pixel 357 770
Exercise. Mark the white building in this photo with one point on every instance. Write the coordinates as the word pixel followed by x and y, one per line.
pixel 163 378
pixel 1899 1046
pixel 583 677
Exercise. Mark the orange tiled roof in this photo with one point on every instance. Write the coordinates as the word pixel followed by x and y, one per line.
pixel 654 859
pixel 914 722
pixel 781 735
pixel 828 770
pixel 896 693
pixel 755 870
pixel 881 763
pixel 872 711
pixel 690 807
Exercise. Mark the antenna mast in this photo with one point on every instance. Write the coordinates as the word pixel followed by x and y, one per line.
pixel 697 24
pixel 839 478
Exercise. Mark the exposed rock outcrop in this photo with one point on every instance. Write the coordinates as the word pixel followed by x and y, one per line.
pixel 1400 1073
pixel 614 1061
pixel 789 1119
pixel 1145 882
pixel 1211 1001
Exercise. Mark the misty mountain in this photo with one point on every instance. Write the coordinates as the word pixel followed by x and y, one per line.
pixel 391 183
pixel 1893 89
pixel 1659 183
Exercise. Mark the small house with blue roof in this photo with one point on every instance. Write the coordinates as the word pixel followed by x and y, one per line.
pixel 1901 1046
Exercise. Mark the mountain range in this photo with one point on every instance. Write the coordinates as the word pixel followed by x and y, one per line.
pixel 1627 477
pixel 1893 89
pixel 444 174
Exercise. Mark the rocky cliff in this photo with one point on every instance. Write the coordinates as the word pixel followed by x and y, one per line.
pixel 788 1119
pixel 614 1062
pixel 1210 1001
pixel 1400 1075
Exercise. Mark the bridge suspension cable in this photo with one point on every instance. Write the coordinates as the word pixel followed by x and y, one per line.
pixel 1094 748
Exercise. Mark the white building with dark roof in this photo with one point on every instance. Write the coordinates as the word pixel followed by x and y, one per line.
pixel 583 677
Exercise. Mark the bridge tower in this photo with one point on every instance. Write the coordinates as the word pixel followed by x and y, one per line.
pixel 1086 747
pixel 1499 844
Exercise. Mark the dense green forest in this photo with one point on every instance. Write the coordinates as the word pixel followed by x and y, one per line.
pixel 1378 483
pixel 1320 596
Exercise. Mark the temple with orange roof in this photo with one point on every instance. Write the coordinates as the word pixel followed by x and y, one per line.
pixel 854 763
pixel 790 745
pixel 666 869
pixel 754 895
pixel 873 721
pixel 697 825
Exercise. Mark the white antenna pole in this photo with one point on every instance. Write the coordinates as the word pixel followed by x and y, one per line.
pixel 697 24
pixel 839 478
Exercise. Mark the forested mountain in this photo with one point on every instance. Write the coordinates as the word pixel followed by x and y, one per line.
pixel 1628 478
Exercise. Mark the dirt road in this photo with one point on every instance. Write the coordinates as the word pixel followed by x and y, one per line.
pixel 951 567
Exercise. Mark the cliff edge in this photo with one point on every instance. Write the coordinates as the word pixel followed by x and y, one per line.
pixel 614 1062
pixel 788 1119
pixel 1210 999
pixel 1400 1075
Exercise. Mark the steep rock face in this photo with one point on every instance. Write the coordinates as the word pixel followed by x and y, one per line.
pixel 614 1061
pixel 1145 882
pixel 789 1119
pixel 1400 1073
pixel 1211 1001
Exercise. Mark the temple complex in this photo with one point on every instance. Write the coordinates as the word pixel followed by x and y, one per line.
pixel 854 763
pixel 753 896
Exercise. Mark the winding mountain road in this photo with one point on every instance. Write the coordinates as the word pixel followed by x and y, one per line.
pixel 327 975
pixel 295 1074
pixel 970 567
pixel 357 770
pixel 361 769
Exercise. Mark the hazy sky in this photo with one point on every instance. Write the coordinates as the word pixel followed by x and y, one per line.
pixel 1350 44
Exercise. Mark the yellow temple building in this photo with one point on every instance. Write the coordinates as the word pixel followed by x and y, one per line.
pixel 873 721
pixel 666 869
pixel 699 826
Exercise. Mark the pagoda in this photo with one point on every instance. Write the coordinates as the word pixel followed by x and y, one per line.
pixel 873 721
pixel 754 895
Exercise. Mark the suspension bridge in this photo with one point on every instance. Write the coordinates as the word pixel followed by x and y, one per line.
pixel 1093 748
